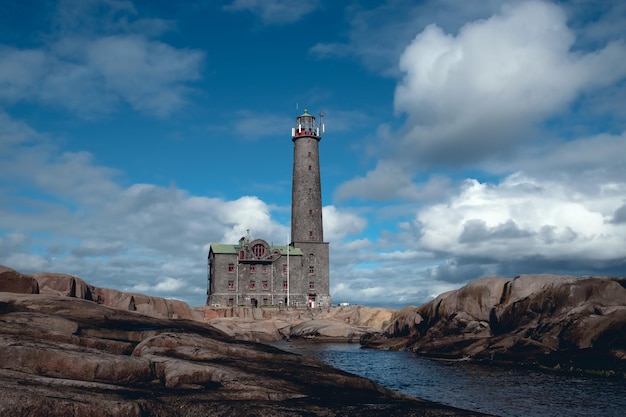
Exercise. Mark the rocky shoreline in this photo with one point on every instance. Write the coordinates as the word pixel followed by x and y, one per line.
pixel 67 355
pixel 550 321
pixel 69 348
pixel 344 324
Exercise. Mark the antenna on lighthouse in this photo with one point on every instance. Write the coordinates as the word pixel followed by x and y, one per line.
pixel 322 115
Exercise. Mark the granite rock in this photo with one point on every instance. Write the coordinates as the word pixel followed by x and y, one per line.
pixel 547 320
pixel 62 355
pixel 71 286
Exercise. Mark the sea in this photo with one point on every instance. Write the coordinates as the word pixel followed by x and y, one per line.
pixel 505 391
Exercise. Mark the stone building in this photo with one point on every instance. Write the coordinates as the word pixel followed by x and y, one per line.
pixel 255 273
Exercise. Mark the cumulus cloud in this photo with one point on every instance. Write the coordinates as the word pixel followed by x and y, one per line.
pixel 90 226
pixel 474 95
pixel 247 213
pixel 274 11
pixel 522 218
pixel 454 272
pixel 583 162
pixel 338 224
pixel 378 34
pixel 167 285
pixel 561 212
pixel 58 174
pixel 384 285
pixel 476 230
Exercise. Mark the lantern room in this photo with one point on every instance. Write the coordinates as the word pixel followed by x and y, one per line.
pixel 306 126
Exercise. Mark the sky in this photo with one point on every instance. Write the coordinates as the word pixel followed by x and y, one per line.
pixel 463 138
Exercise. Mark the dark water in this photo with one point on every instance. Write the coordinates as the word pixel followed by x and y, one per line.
pixel 500 391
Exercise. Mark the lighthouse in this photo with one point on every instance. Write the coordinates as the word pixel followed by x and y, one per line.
pixel 256 273
pixel 307 229
pixel 306 190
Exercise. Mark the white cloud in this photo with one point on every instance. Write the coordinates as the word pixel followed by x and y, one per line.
pixel 476 99
pixel 382 286
pixel 76 218
pixel 393 180
pixel 339 224
pixel 583 162
pixel 249 213
pixel 522 218
pixel 90 73
pixel 378 33
pixel 473 95
pixel 27 262
pixel 167 285
pixel 149 75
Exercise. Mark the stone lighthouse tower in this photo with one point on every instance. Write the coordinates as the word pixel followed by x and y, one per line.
pixel 307 231
pixel 253 272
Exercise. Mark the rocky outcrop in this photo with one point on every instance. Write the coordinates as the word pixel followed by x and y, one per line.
pixel 550 320
pixel 336 324
pixel 67 356
pixel 327 331
pixel 71 286
pixel 12 281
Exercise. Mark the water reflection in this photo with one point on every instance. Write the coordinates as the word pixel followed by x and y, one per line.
pixel 501 391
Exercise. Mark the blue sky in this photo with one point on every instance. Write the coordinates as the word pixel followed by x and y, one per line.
pixel 463 138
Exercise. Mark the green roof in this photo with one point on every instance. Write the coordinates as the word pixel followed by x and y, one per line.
pixel 233 248
pixel 223 248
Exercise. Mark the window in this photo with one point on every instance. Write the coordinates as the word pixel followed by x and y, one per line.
pixel 231 268
pixel 253 269
pixel 231 302
pixel 253 285
pixel 241 254
pixel 266 302
pixel 309 154
pixel 309 167
pixel 311 257
pixel 311 269
pixel 231 285
pixel 258 250
pixel 311 211
pixel 285 286
pixel 285 270
pixel 266 269
pixel 311 234
pixel 265 285
pixel 311 285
